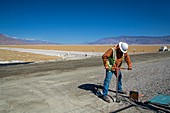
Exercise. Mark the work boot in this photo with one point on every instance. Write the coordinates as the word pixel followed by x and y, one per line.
pixel 122 92
pixel 106 98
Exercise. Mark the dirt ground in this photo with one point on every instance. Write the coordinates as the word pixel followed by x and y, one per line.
pixel 8 55
pixel 90 48
pixel 69 86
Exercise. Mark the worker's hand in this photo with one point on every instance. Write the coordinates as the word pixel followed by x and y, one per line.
pixel 129 68
pixel 107 68
pixel 114 68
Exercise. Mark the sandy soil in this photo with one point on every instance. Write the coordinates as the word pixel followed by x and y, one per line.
pixel 90 48
pixel 10 55
pixel 69 86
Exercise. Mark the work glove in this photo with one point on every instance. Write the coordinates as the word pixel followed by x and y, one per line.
pixel 108 66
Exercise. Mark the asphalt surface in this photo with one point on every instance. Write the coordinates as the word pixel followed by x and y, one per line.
pixel 70 86
pixel 67 65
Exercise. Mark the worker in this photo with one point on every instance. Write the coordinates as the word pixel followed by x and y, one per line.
pixel 112 59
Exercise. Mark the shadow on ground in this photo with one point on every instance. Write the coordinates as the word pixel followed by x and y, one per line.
pixel 90 87
pixel 18 63
pixel 147 106
pixel 96 90
pixel 144 105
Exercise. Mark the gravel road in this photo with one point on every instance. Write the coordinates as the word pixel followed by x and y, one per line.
pixel 69 86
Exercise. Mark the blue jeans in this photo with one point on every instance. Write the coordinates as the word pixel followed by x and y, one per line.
pixel 108 79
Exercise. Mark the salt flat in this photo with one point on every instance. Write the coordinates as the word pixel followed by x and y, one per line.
pixel 67 55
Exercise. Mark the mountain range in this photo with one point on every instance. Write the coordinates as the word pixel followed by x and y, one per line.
pixel 7 40
pixel 135 40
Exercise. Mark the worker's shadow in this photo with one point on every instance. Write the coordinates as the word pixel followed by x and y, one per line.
pixel 91 87
pixel 97 90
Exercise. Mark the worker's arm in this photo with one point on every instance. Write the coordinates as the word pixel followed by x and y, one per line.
pixel 128 61
pixel 105 57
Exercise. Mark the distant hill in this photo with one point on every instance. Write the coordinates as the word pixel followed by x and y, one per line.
pixel 7 40
pixel 134 40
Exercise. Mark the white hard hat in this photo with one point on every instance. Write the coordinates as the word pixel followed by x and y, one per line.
pixel 123 46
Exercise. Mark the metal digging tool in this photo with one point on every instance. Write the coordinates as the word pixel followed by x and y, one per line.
pixel 117 78
pixel 134 96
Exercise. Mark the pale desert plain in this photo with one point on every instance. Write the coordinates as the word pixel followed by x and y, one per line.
pixel 69 85
pixel 54 52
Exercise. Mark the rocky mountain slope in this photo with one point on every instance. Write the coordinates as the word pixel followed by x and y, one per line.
pixel 7 40
pixel 134 40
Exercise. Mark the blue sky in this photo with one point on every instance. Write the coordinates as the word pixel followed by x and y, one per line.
pixel 78 21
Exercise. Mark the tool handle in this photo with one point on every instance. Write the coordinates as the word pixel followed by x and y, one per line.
pixel 119 68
